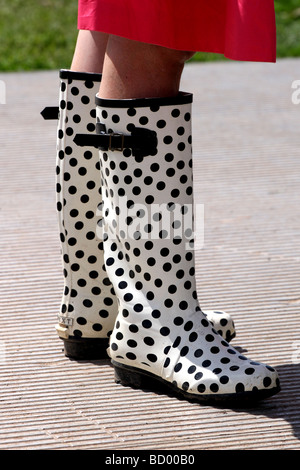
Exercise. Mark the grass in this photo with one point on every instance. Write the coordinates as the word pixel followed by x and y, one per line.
pixel 37 34
pixel 41 34
pixel 288 28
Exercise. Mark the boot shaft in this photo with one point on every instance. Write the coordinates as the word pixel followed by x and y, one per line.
pixel 148 225
pixel 148 203
pixel 88 306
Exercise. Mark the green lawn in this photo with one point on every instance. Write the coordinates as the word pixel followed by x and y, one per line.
pixel 41 34
pixel 37 34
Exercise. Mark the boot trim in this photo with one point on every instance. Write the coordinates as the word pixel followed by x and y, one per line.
pixel 70 74
pixel 180 99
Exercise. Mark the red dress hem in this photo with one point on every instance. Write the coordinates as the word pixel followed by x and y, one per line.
pixel 243 30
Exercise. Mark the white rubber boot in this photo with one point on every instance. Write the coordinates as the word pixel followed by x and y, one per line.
pixel 89 306
pixel 161 338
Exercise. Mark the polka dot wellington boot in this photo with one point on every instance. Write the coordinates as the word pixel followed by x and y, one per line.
pixel 161 339
pixel 88 308
pixel 89 305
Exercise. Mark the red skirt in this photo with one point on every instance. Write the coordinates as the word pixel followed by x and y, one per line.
pixel 240 29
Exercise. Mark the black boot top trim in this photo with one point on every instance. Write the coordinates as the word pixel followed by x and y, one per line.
pixel 70 74
pixel 181 98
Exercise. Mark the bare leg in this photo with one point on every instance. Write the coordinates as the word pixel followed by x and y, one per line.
pixel 89 52
pixel 138 70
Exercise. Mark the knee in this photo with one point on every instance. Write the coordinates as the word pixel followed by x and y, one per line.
pixel 181 56
pixel 139 51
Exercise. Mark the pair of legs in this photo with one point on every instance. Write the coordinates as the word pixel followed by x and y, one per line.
pixel 130 69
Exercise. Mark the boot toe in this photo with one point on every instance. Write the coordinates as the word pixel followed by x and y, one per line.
pixel 253 381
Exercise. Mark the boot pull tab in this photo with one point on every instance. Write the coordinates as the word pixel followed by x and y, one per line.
pixel 50 112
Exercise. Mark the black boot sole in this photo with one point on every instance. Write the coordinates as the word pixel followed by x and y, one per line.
pixel 86 348
pixel 140 379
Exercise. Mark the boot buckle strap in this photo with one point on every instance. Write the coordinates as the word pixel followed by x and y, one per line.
pixel 143 142
pixel 111 145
